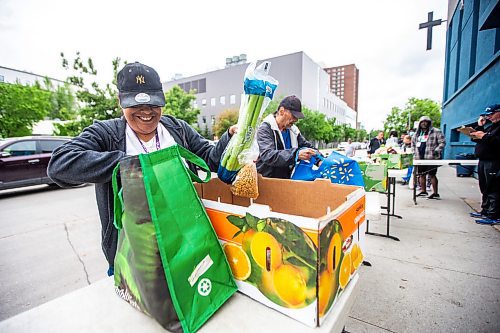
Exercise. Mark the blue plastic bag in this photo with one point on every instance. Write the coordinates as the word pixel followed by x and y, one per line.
pixel 339 168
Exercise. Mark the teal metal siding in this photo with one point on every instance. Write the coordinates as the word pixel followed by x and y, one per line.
pixel 472 72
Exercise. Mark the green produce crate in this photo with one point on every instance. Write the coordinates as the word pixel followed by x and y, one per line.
pixel 375 176
pixel 395 161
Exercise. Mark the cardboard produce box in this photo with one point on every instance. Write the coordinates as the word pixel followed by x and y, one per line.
pixel 395 161
pixel 296 247
pixel 374 176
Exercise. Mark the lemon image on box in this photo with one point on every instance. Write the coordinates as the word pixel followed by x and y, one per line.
pixel 330 263
pixel 281 260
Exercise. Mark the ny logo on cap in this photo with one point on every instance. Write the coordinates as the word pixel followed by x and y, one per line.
pixel 139 79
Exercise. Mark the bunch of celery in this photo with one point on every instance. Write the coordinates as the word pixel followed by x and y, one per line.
pixel 245 133
pixel 259 88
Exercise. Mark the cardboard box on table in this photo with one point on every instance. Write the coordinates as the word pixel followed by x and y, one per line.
pixel 374 176
pixel 294 235
pixel 395 161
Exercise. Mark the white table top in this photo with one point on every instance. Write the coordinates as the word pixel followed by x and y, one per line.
pixel 97 308
pixel 445 162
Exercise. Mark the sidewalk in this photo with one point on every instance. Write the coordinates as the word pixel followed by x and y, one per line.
pixel 444 274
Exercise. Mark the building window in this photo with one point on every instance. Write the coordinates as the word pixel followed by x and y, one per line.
pixel 232 99
pixel 2 78
pixel 222 100
pixel 195 104
pixel 196 86
pixel 204 119
pixel 202 85
pixel 212 101
pixel 213 120
pixel 204 102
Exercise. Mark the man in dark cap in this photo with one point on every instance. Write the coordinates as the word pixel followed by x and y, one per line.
pixel 92 156
pixel 280 141
pixel 487 138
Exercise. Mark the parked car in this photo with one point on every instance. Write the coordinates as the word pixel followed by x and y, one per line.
pixel 342 145
pixel 24 160
pixel 359 145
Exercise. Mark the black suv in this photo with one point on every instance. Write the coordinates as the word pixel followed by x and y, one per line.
pixel 24 160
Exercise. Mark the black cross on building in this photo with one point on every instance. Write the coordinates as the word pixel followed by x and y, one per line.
pixel 429 25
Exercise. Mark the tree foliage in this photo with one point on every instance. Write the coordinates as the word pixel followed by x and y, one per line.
pixel 224 120
pixel 63 101
pixel 314 126
pixel 178 103
pixel 273 106
pixel 403 120
pixel 97 103
pixel 21 107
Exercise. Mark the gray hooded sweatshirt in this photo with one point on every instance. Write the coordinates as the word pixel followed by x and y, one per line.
pixel 92 156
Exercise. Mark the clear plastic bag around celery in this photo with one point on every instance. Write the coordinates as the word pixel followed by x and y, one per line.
pixel 245 184
pixel 259 88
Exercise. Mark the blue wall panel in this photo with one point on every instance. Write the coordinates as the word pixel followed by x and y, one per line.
pixel 472 83
pixel 466 107
pixel 465 54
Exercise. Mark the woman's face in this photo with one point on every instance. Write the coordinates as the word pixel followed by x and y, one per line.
pixel 143 119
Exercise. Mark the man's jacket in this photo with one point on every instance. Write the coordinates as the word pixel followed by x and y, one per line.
pixel 434 145
pixel 488 148
pixel 92 156
pixel 274 160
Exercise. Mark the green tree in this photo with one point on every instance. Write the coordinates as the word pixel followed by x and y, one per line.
pixel 272 107
pixel 224 120
pixel 403 120
pixel 63 101
pixel 417 108
pixel 396 120
pixel 178 103
pixel 21 107
pixel 314 126
pixel 361 135
pixel 205 133
pixel 97 103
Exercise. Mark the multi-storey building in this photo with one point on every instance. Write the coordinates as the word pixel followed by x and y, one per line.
pixel 297 74
pixel 10 75
pixel 344 81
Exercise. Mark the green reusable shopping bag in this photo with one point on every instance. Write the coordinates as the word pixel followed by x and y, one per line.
pixel 169 263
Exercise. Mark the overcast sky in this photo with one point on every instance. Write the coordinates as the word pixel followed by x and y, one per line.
pixel 191 37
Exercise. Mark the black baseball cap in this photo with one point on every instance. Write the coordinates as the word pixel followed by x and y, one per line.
pixel 491 109
pixel 292 104
pixel 139 84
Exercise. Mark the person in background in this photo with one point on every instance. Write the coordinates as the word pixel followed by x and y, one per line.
pixel 393 139
pixel 487 139
pixel 92 156
pixel 376 142
pixel 402 137
pixel 280 141
pixel 428 143
pixel 407 148
pixel 406 145
pixel 350 149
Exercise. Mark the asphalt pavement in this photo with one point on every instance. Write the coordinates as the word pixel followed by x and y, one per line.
pixel 442 276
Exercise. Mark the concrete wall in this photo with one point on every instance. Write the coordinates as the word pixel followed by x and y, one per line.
pixel 471 74
pixel 297 75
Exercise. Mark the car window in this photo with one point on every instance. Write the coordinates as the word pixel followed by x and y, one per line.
pixel 47 146
pixel 22 148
